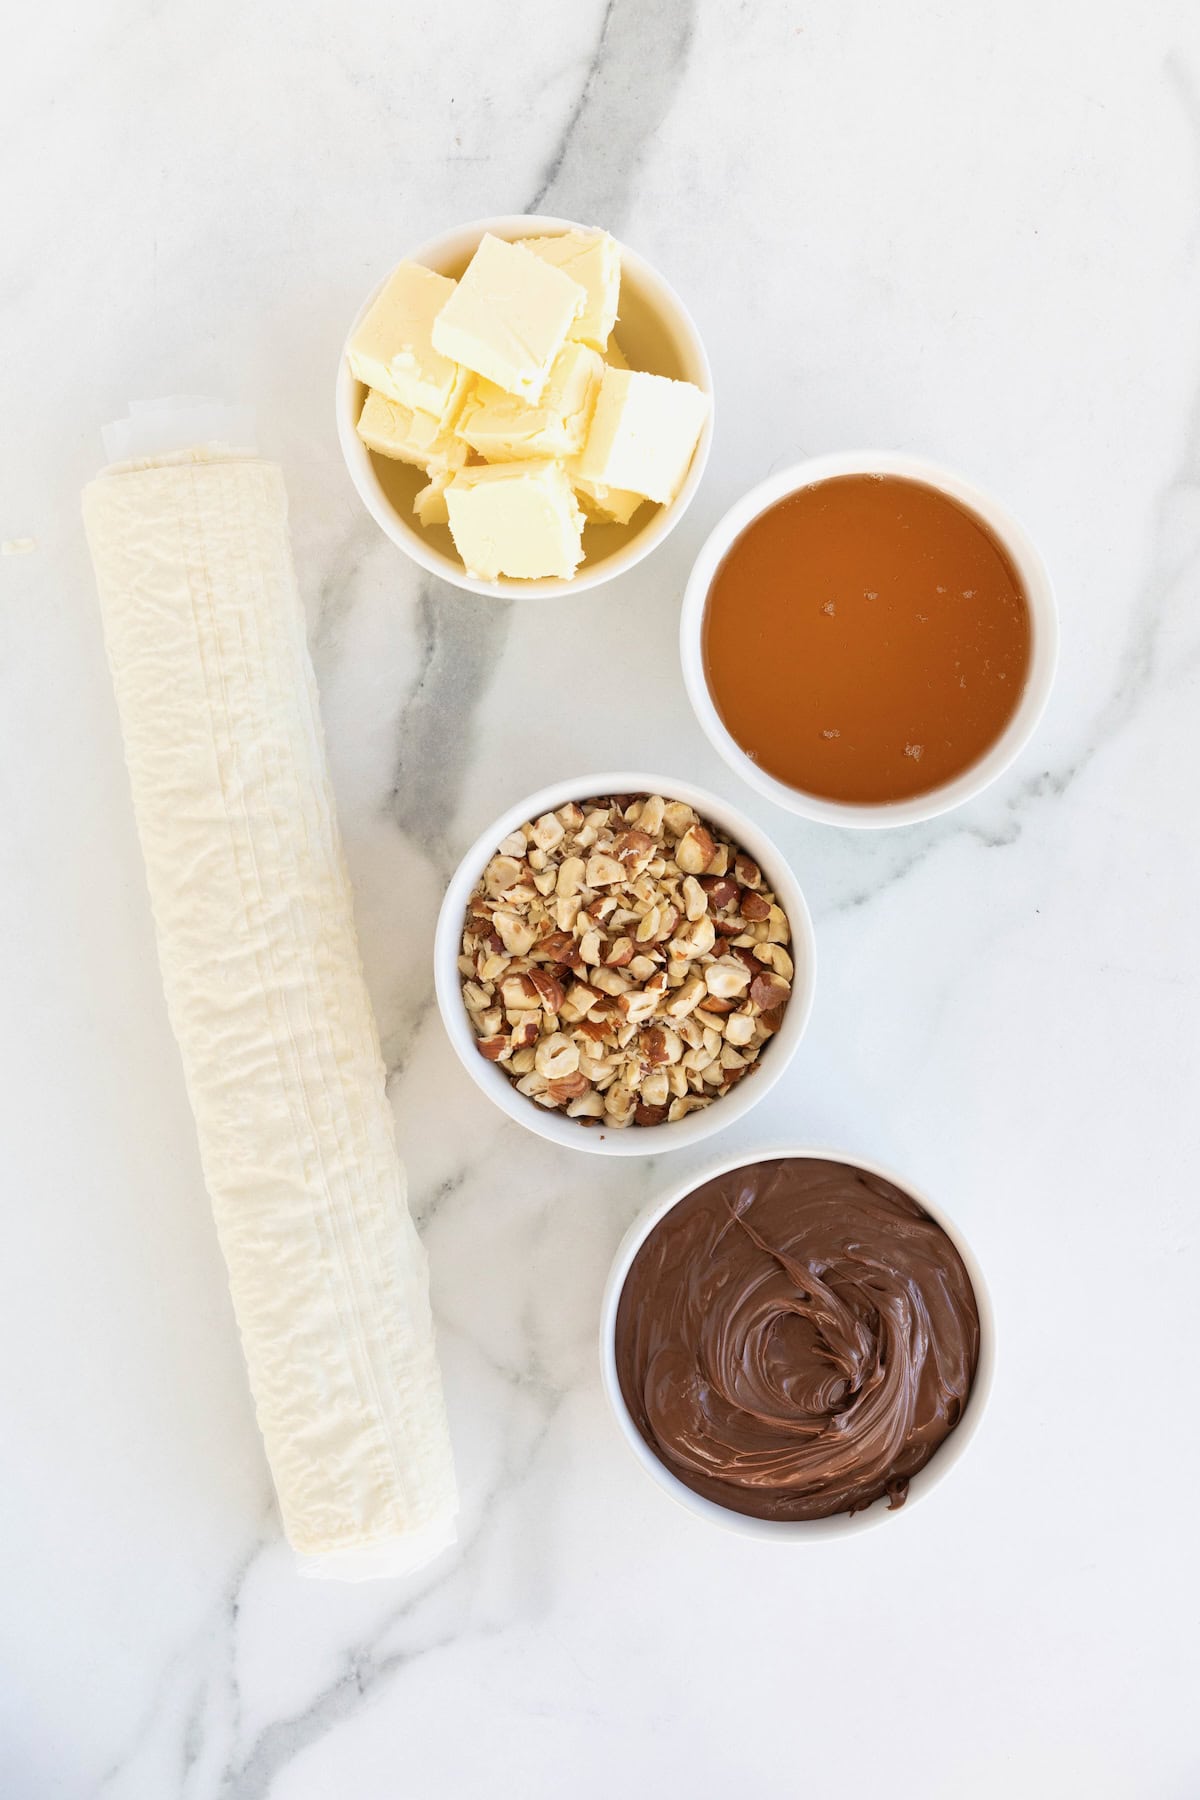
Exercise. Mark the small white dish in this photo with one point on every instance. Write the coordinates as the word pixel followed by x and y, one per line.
pixel 922 1483
pixel 634 1140
pixel 1043 613
pixel 655 332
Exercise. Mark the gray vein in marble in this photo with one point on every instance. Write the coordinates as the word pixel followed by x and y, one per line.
pixel 365 1670
pixel 628 88
pixel 399 1046
pixel 280 1742
pixel 461 641
pixel 197 1721
pixel 1183 84
pixel 194 1731
pixel 334 597
pixel 555 165
pixel 427 1210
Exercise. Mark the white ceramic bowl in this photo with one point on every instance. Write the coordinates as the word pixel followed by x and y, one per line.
pixel 839 1524
pixel 655 331
pixel 1043 617
pixel 634 1140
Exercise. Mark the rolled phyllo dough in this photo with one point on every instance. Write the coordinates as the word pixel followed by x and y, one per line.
pixel 264 986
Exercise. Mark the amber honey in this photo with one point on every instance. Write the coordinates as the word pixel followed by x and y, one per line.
pixel 866 639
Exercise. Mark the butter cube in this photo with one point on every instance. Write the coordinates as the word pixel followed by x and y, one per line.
pixel 408 436
pixel 508 318
pixel 516 518
pixel 502 428
pixel 392 350
pixel 593 259
pixel 643 433
pixel 430 504
pixel 604 505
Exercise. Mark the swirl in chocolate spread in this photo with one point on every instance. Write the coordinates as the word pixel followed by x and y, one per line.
pixel 796 1338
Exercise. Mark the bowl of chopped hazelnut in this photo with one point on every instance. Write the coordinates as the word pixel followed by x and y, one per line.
pixel 624 963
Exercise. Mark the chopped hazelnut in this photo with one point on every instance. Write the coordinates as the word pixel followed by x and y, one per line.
pixel 684 947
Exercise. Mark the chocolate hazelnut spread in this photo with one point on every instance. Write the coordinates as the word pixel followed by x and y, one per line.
pixel 796 1338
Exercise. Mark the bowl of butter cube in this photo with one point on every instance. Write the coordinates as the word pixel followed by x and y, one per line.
pixel 525 406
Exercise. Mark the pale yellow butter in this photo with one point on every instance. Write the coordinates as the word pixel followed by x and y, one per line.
pixel 509 317
pixel 393 350
pixel 502 428
pixel 643 433
pixel 604 505
pixel 593 259
pixel 518 519
pixel 407 435
pixel 430 503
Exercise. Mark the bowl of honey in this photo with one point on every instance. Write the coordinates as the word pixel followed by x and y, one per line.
pixel 869 639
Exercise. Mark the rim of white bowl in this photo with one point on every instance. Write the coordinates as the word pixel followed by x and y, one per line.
pixel 635 1140
pixel 1043 612
pixel 450 246
pixel 838 1525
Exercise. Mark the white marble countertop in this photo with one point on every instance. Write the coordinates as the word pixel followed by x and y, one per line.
pixel 968 232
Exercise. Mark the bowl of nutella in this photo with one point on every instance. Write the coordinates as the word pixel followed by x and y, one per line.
pixel 524 406
pixel 869 639
pixel 797 1344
